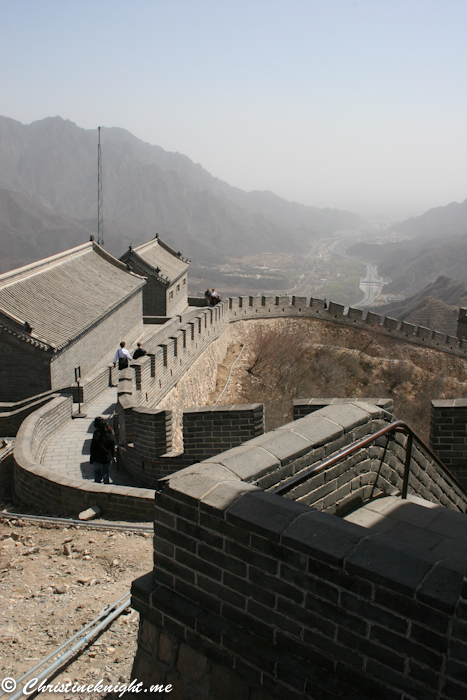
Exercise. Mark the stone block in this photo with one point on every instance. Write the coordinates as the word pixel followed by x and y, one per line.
pixel 164 650
pixel 348 416
pixel 227 685
pixel 249 462
pixel 285 445
pixel 191 663
pixel 225 494
pixel 323 536
pixel 147 636
pixel 315 428
pixel 90 513
pixel 395 565
pixel 264 513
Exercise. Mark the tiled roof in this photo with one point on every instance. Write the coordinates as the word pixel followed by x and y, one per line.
pixel 62 296
pixel 158 254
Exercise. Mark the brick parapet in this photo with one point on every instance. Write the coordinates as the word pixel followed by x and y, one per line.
pixel 240 308
pixel 208 430
pixel 287 601
pixel 303 407
pixel 12 414
pixel 152 432
pixel 448 435
pixel 57 494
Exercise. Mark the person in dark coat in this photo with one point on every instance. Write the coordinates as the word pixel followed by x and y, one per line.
pixel 102 450
pixel 139 352
pixel 207 296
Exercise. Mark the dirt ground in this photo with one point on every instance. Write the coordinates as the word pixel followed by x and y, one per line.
pixel 56 579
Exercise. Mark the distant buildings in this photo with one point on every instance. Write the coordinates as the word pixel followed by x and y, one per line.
pixel 165 292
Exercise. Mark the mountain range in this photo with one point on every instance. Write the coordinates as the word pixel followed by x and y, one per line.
pixel 435 306
pixel 434 244
pixel 53 163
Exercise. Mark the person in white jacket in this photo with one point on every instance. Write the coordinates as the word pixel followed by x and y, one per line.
pixel 122 356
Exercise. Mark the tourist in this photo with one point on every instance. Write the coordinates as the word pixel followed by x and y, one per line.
pixel 139 352
pixel 214 297
pixel 207 296
pixel 102 450
pixel 122 355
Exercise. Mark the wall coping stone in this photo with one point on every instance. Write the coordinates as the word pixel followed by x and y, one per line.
pixel 284 444
pixel 449 403
pixel 318 431
pixel 248 461
pixel 265 513
pixel 350 415
pixel 229 407
pixel 374 401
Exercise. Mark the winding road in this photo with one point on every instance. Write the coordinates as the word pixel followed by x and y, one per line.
pixel 371 285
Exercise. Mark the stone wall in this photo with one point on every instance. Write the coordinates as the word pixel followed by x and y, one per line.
pixel 212 429
pixel 180 369
pixel 12 414
pixel 448 435
pixel 24 370
pixel 124 323
pixel 303 407
pixel 206 432
pixel 260 597
pixel 60 495
pixel 462 324
pixel 264 307
pixel 7 461
pixel 152 432
pixel 176 300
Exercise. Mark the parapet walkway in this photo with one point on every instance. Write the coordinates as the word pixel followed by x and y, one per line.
pixel 425 525
pixel 67 452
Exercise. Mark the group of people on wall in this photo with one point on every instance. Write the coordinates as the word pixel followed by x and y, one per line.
pixel 212 297
pixel 103 444
pixel 123 356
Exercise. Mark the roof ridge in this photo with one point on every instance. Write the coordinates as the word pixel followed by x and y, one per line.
pixel 112 260
pixel 158 240
pixel 21 273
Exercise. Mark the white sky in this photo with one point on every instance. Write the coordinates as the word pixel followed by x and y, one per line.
pixel 357 105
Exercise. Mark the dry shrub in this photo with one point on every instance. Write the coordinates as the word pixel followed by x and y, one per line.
pixel 284 364
pixel 277 356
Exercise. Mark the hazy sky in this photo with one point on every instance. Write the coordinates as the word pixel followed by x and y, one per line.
pixel 350 104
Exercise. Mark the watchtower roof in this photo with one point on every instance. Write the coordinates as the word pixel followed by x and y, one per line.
pixel 53 301
pixel 159 258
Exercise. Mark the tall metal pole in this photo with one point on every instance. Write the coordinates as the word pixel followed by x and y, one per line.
pixel 100 208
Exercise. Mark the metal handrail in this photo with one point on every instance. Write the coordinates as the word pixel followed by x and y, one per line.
pixel 397 426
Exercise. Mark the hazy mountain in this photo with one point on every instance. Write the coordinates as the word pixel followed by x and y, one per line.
pixel 435 306
pixel 412 264
pixel 437 223
pixel 29 231
pixel 146 189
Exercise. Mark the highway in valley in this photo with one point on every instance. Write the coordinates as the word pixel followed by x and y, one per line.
pixel 371 285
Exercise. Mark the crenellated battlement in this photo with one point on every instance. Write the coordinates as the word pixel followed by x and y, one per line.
pixel 247 307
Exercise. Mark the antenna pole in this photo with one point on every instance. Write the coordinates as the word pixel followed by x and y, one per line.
pixel 100 208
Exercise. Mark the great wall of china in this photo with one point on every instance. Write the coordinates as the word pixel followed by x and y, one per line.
pixel 255 595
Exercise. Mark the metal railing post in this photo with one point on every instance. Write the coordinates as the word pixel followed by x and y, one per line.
pixel 408 458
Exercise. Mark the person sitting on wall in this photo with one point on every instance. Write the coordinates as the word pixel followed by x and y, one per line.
pixel 102 450
pixel 122 355
pixel 215 298
pixel 139 352
pixel 207 296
